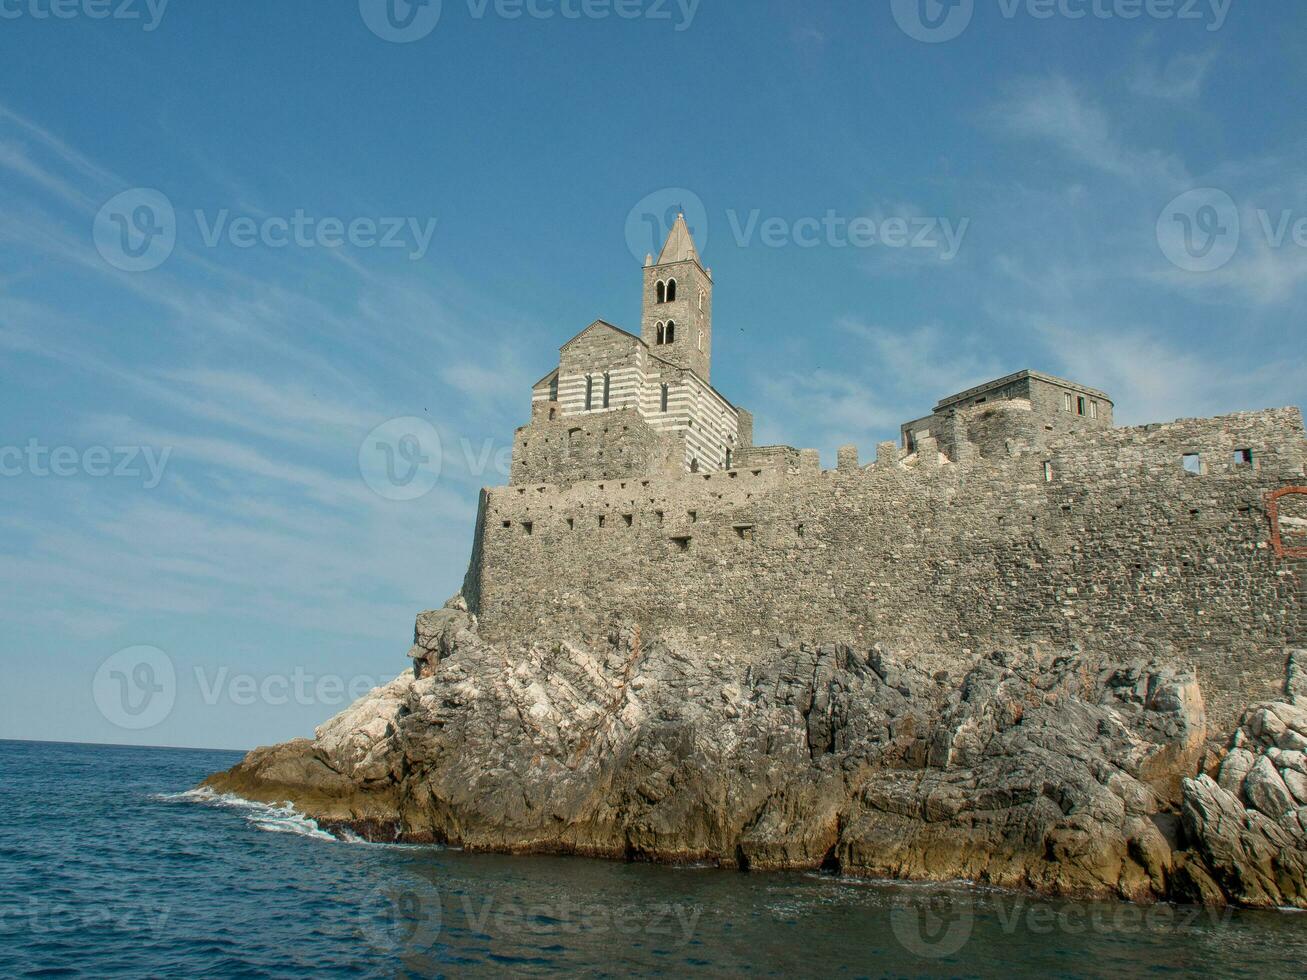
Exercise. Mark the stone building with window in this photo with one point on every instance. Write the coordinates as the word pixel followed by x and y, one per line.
pixel 1058 405
pixel 623 405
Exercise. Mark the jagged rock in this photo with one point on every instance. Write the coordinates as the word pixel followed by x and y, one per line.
pixel 1265 790
pixel 1295 676
pixel 1255 861
pixel 1246 830
pixel 1235 769
pixel 1296 783
pixel 1052 773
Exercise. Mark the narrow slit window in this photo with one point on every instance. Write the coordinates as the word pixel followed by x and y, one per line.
pixel 589 392
pixel 608 389
pixel 664 396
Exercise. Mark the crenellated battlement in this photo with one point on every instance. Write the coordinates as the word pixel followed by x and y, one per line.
pixel 1013 516
pixel 1142 539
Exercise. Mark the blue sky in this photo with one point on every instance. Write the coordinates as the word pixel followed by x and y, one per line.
pixel 1021 193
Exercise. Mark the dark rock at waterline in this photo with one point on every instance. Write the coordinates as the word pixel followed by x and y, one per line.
pixel 1068 775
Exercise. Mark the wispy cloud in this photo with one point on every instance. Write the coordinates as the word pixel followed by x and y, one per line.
pixel 1056 111
pixel 1179 78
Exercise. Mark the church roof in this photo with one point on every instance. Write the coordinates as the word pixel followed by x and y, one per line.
pixel 599 323
pixel 680 244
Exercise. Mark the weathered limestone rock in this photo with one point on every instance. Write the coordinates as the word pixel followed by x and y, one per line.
pixel 1057 773
pixel 1246 829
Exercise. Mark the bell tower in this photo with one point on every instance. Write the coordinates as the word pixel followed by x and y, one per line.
pixel 677 319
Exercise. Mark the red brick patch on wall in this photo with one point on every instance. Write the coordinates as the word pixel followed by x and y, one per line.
pixel 1273 505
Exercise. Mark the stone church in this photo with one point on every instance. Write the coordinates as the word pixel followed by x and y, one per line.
pixel 623 405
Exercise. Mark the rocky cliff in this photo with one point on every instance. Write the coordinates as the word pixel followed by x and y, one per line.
pixel 1070 775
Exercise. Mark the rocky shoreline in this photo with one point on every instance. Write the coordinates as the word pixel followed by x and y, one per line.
pixel 1067 775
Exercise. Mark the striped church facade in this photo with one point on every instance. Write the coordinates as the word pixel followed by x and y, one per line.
pixel 621 404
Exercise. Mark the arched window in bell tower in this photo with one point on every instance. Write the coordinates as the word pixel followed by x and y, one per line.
pixel 660 337
pixel 669 336
pixel 661 291
pixel 671 291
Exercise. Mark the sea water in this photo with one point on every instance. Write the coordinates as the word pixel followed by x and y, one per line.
pixel 112 865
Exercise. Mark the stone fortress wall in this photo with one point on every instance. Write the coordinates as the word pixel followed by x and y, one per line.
pixel 1014 516
pixel 1155 539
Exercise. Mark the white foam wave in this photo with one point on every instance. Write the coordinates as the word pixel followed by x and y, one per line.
pixel 283 819
pixel 280 819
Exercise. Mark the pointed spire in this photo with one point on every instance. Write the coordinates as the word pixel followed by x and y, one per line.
pixel 680 244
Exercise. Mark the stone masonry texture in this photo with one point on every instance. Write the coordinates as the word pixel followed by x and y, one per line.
pixel 1014 517
pixel 1101 540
